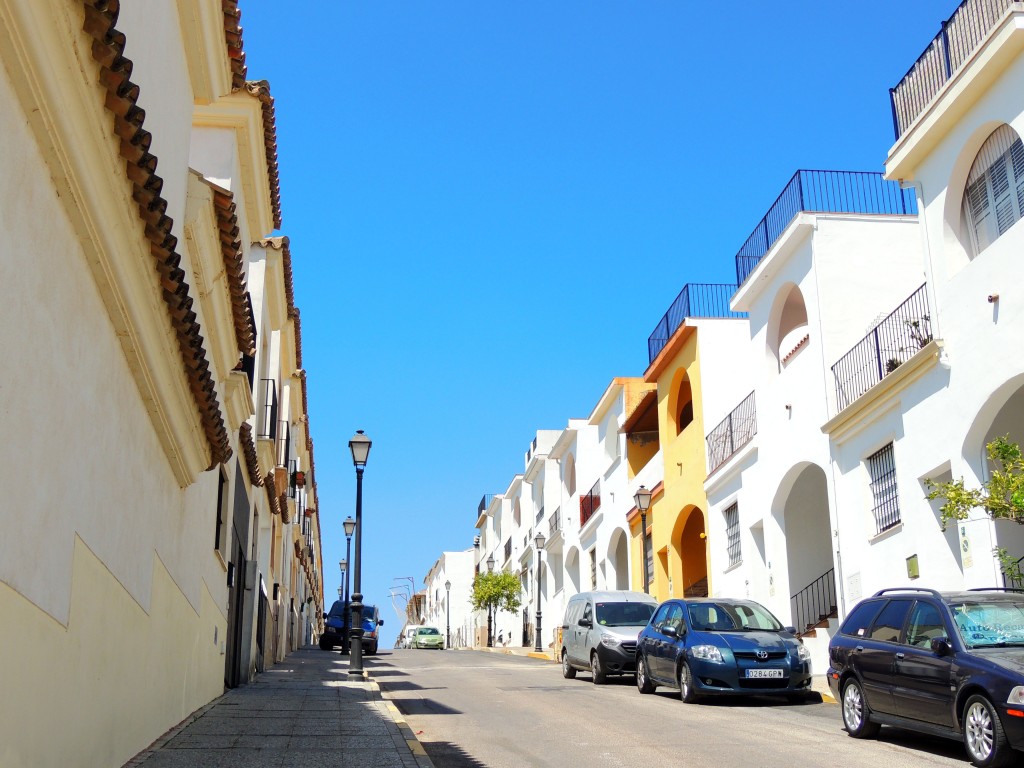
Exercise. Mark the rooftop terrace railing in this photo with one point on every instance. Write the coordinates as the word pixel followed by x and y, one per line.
pixel 732 433
pixel 695 300
pixel 822 192
pixel 959 37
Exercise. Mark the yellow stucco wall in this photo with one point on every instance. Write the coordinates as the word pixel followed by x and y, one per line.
pixel 677 564
pixel 103 711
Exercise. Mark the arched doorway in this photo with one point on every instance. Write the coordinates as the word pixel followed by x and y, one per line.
pixel 802 511
pixel 572 570
pixel 689 542
pixel 618 561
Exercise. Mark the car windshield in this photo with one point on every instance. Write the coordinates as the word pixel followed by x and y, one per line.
pixel 427 631
pixel 624 614
pixel 732 617
pixel 990 622
pixel 337 609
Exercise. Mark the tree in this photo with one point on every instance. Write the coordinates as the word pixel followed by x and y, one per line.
pixel 1001 496
pixel 494 591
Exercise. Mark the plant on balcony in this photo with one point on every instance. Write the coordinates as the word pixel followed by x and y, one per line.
pixel 1001 496
pixel 494 591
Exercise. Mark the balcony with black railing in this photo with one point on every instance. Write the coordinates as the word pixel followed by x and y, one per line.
pixel 267 426
pixel 822 192
pixel 959 36
pixel 590 503
pixel 897 338
pixel 707 300
pixel 732 433
pixel 555 524
pixel 284 442
pixel 485 502
pixel 508 550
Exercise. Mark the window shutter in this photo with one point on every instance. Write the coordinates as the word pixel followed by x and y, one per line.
pixel 1017 155
pixel 1005 209
pixel 977 197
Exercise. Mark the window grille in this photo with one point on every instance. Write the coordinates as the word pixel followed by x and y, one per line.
pixel 882 469
pixel 650 559
pixel 732 533
pixel 593 569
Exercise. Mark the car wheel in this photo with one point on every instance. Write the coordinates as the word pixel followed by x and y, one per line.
pixel 983 734
pixel 568 670
pixel 855 712
pixel 643 681
pixel 687 692
pixel 596 669
pixel 325 645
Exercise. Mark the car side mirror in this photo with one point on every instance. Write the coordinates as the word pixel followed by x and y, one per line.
pixel 940 646
pixel 791 630
pixel 325 615
pixel 380 622
pixel 670 632
pixel 586 623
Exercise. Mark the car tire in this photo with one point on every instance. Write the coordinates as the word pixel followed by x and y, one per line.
pixel 984 738
pixel 596 669
pixel 643 679
pixel 373 650
pixel 687 691
pixel 855 712
pixel 325 645
pixel 568 670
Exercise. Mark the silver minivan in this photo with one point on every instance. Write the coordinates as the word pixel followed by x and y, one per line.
pixel 599 632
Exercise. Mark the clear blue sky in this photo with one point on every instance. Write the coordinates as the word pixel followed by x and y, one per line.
pixel 492 204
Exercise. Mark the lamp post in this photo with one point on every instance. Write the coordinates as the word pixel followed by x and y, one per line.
pixel 448 614
pixel 538 541
pixel 360 447
pixel 350 528
pixel 490 631
pixel 643 503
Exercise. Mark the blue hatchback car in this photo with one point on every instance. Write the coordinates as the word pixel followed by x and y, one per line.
pixel 712 646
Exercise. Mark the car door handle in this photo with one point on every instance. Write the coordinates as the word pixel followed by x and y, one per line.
pixel 858 649
pixel 900 656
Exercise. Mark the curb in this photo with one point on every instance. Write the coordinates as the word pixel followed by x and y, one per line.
pixel 415 745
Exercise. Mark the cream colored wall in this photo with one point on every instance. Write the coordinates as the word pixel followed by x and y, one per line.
pixel 114 678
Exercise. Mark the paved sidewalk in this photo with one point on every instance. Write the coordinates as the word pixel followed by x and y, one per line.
pixel 305 711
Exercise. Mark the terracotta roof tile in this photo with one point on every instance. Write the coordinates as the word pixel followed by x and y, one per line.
pixel 233 38
pixel 140 170
pixel 282 504
pixel 270 486
pixel 283 244
pixel 252 462
pixel 261 90
pixel 234 268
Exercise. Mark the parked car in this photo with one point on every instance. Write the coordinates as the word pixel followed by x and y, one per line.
pixel 599 632
pixel 337 620
pixel 427 637
pixel 711 646
pixel 949 664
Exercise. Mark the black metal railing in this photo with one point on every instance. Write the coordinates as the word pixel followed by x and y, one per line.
pixel 695 300
pixel 822 192
pixel 508 549
pixel 590 503
pixel 267 428
pixel 555 524
pixel 293 465
pixel 815 602
pixel 247 365
pixel 284 441
pixel 960 35
pixel 892 342
pixel 540 514
pixel 732 433
pixel 485 502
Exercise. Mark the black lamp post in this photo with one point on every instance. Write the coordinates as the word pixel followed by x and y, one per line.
pixel 538 541
pixel 360 447
pixel 490 631
pixel 448 614
pixel 350 528
pixel 643 503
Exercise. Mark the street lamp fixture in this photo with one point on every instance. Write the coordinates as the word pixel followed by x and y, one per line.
pixel 360 447
pixel 538 541
pixel 350 527
pixel 643 503
pixel 490 625
pixel 448 612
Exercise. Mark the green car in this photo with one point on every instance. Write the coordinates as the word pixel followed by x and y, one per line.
pixel 427 637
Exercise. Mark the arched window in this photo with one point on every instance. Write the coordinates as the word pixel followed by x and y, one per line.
pixel 791 333
pixel 995 188
pixel 684 406
pixel 517 512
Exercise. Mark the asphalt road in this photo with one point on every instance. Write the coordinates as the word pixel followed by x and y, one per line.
pixel 472 709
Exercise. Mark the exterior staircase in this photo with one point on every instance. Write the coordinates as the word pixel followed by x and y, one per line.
pixel 816 640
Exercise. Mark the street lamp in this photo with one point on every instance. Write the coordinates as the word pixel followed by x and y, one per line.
pixel 360 447
pixel 448 612
pixel 538 541
pixel 350 528
pixel 490 631
pixel 643 503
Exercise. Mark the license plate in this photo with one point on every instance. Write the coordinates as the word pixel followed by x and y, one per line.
pixel 765 673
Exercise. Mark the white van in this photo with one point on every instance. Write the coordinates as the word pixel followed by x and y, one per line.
pixel 407 632
pixel 599 632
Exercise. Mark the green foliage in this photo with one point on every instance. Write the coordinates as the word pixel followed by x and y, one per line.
pixel 499 591
pixel 1010 566
pixel 1002 495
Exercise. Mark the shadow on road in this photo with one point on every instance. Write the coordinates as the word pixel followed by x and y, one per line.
pixel 423 707
pixel 447 755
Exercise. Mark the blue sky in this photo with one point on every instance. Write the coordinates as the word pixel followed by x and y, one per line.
pixel 492 205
